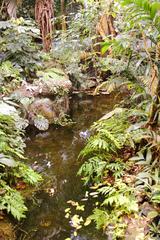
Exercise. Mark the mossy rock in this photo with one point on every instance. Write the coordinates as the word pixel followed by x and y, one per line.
pixel 50 82
pixel 45 111
pixel 53 81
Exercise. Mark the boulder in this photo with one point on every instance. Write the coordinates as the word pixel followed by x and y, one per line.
pixel 46 100
pixel 53 81
pixel 50 82
pixel 45 111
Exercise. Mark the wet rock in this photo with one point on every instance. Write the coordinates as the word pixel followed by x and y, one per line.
pixel 42 107
pixel 26 90
pixel 50 110
pixel 88 84
pixel 7 108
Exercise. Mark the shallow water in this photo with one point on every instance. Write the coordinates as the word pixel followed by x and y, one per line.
pixel 54 154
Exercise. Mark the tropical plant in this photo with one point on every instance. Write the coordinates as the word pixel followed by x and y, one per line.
pixel 139 43
pixel 12 168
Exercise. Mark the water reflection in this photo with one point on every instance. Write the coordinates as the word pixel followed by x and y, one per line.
pixel 54 153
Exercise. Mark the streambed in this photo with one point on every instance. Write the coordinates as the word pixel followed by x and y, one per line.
pixel 54 154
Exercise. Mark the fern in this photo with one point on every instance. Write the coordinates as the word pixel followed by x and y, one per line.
pixel 8 71
pixel 12 170
pixel 120 196
pixel 93 169
pixel 140 10
pixel 117 168
pixel 100 217
pixel 109 221
pixel 26 173
pixel 12 201
pixel 109 136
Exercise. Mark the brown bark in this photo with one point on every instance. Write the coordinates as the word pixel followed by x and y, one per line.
pixel 64 27
pixel 154 113
pixel 43 15
pixel 12 8
pixel 153 84
pixel 105 28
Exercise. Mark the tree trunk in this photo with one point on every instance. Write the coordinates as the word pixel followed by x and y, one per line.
pixel 64 27
pixel 154 114
pixel 105 28
pixel 12 8
pixel 154 89
pixel 43 15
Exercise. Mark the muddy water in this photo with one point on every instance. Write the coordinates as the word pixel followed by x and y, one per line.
pixel 54 154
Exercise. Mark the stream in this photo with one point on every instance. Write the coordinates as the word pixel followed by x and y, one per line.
pixel 54 153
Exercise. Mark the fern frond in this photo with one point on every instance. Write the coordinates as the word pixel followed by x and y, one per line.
pixel 140 10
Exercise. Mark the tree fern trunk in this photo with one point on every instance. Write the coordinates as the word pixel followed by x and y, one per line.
pixel 154 115
pixel 64 27
pixel 43 16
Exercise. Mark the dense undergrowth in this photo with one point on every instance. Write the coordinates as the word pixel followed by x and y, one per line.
pixel 121 166
pixel 13 169
pixel 23 66
pixel 121 158
pixel 18 60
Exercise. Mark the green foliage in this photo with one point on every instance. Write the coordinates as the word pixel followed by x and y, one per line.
pixel 79 38
pixel 140 10
pixel 104 169
pixel 10 137
pixel 93 169
pixel 114 226
pixel 12 201
pixel 55 80
pixel 20 56
pixel 113 189
pixel 22 171
pixel 119 200
pixel 109 135
pixel 12 169
pixel 100 217
pixel 10 77
pixel 19 60
pixel 135 48
pixel 119 196
pixel 7 70
pixel 18 46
